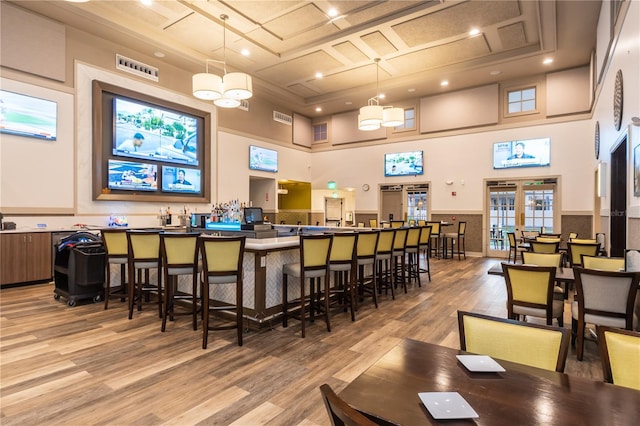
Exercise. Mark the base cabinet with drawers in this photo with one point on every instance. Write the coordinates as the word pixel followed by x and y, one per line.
pixel 25 257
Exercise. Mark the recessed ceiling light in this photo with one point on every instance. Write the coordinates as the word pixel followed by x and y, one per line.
pixel 319 75
pixel 332 13
pixel 245 52
pixel 411 90
pixel 318 109
pixel 159 54
pixel 495 72
pixel 474 31
pixel 146 2
pixel 382 96
pixel 444 83
pixel 547 61
pixel 348 103
pixel 77 1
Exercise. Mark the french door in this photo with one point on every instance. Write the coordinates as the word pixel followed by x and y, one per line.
pixel 516 206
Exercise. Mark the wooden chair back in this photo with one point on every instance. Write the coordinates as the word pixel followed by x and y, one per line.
pixel 577 250
pixel 603 263
pixel 620 355
pixel 341 413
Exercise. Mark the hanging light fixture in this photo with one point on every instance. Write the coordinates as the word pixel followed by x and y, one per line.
pixel 374 115
pixel 226 91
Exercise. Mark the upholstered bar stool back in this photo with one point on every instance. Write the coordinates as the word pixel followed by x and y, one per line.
pixel 435 236
pixel 342 262
pixel 179 257
pixel 398 255
pixel 412 252
pixel 425 242
pixel 313 264
pixel 144 255
pixel 384 252
pixel 115 244
pixel 457 239
pixel 366 256
pixel 222 259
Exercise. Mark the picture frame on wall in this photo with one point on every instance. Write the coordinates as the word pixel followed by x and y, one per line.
pixel 636 171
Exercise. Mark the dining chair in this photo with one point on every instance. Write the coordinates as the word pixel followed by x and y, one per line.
pixel 384 261
pixel 544 239
pixel 573 235
pixel 144 256
pixel 397 223
pixel 412 252
pixel 457 238
pixel 542 259
pixel 373 223
pixel 222 270
pixel 583 240
pixel 360 224
pixel 536 345
pixel 575 251
pixel 366 257
pixel 620 356
pixel 343 264
pixel 342 414
pixel 530 292
pixel 602 298
pixel 514 249
pixel 603 263
pixel 602 240
pixel 632 260
pixel 544 246
pixel 530 235
pixel 424 246
pixel 179 253
pixel 313 265
pixel 117 254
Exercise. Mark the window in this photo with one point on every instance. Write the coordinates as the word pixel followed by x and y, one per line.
pixel 521 101
pixel 320 132
pixel 409 120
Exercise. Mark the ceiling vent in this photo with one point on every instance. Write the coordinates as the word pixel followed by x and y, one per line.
pixel 135 67
pixel 282 118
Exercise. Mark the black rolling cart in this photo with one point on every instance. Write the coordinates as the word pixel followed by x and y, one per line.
pixel 79 269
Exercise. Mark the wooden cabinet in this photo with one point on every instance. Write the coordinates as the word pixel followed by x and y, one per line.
pixel 25 257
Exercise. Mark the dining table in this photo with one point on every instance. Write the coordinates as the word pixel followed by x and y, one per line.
pixel 520 395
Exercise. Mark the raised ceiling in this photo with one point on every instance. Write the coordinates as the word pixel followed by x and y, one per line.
pixel 420 43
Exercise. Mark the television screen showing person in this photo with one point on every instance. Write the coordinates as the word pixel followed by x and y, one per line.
pixel 520 152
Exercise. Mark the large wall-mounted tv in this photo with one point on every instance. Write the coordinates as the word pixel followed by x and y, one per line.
pixel 24 115
pixel 180 179
pixel 403 164
pixel 132 176
pixel 263 159
pixel 146 131
pixel 132 128
pixel 522 153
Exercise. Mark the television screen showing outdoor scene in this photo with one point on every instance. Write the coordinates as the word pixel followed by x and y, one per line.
pixel 23 115
pixel 132 176
pixel 403 164
pixel 263 159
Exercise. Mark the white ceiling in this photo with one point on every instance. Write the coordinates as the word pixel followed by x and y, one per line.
pixel 420 43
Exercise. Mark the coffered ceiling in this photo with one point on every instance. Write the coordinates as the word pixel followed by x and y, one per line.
pixel 420 43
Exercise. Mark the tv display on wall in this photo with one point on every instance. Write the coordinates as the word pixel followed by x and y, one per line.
pixel 522 153
pixel 403 164
pixel 147 131
pixel 180 179
pixel 24 115
pixel 263 159
pixel 132 176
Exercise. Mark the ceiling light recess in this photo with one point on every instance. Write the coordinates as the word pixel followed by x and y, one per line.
pixel 374 115
pixel 226 91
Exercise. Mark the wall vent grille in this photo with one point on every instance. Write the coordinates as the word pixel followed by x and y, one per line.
pixel 136 67
pixel 282 118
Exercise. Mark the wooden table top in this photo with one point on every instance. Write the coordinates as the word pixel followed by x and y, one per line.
pixel 522 395
pixel 562 274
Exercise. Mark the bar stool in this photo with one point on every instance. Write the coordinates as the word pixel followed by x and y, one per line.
pixel 398 258
pixel 179 257
pixel 412 252
pixel 366 255
pixel 115 244
pixel 435 237
pixel 222 259
pixel 144 255
pixel 384 252
pixel 342 262
pixel 424 245
pixel 457 237
pixel 313 264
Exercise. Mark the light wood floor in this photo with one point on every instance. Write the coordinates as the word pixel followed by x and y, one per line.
pixel 85 366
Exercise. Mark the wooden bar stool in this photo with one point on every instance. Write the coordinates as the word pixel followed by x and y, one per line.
pixel 384 252
pixel 366 255
pixel 342 262
pixel 115 244
pixel 179 257
pixel 412 252
pixel 398 267
pixel 144 255
pixel 313 264
pixel 222 259
pixel 425 246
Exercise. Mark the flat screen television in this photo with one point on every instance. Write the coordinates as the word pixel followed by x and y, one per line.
pixel 146 131
pixel 263 159
pixel 522 153
pixel 132 176
pixel 180 179
pixel 253 215
pixel 403 164
pixel 24 115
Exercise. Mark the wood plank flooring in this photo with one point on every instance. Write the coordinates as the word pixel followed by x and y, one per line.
pixel 87 366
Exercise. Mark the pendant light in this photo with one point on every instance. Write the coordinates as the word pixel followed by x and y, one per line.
pixel 374 115
pixel 226 91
